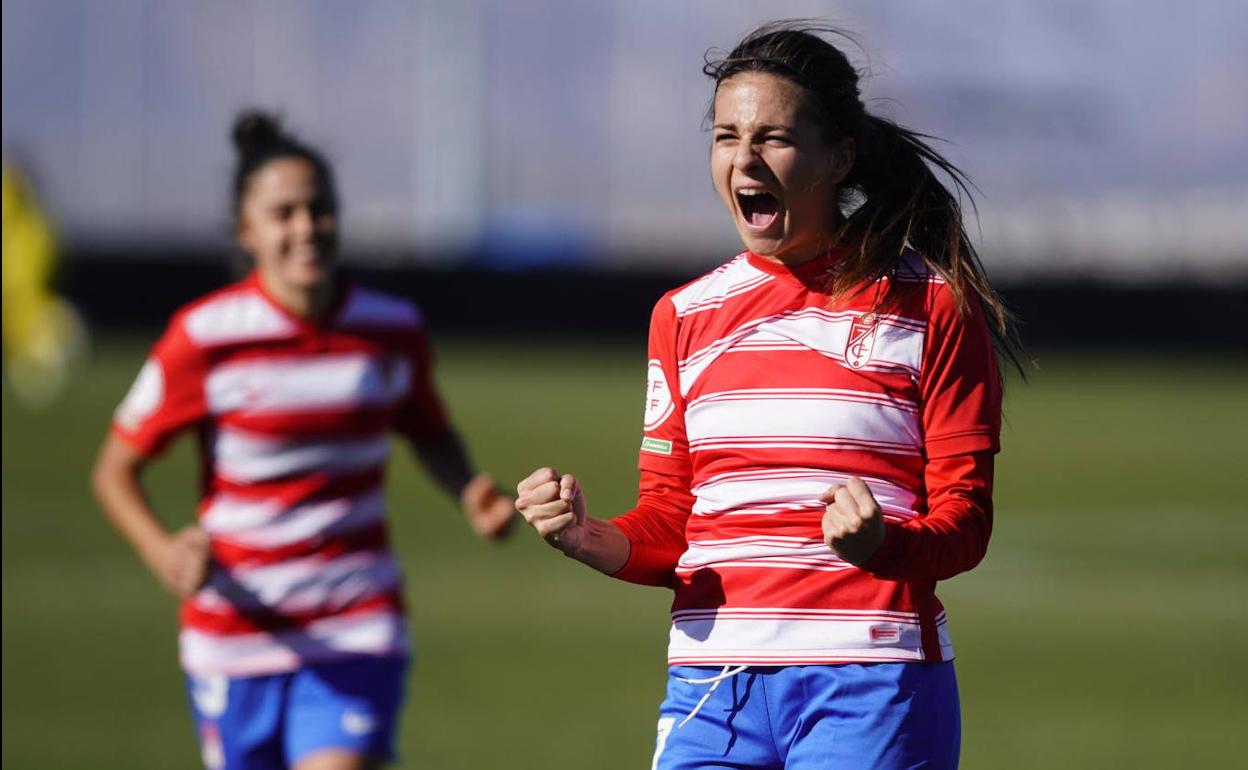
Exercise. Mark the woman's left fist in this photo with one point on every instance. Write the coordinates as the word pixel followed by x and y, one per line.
pixel 853 525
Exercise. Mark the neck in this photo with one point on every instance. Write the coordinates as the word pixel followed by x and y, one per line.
pixel 809 248
pixel 308 303
pixel 797 257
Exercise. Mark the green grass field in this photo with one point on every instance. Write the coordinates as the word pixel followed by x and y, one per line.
pixel 1106 629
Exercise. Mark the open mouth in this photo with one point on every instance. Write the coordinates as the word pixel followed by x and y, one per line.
pixel 759 208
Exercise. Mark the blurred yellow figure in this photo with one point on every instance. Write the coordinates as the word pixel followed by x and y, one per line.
pixel 42 332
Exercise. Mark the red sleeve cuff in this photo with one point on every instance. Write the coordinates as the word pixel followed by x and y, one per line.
pixel 962 444
pixel 883 562
pixel 145 448
pixel 645 566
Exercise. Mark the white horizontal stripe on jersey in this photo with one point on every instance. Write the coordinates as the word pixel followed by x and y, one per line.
pixel 309 383
pixel 898 343
pixel 731 279
pixel 801 442
pixel 768 491
pixel 268 524
pixel 373 633
pixel 367 307
pixel 724 294
pixel 243 457
pixel 761 552
pixel 238 316
pixel 800 394
pixel 301 585
pixel 762 635
pixel 813 417
pixel 799 613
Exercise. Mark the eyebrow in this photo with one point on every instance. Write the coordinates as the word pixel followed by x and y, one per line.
pixel 761 129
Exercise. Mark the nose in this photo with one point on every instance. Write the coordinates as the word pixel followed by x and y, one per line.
pixel 746 157
pixel 304 222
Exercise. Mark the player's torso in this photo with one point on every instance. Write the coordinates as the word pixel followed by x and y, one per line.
pixel 317 403
pixel 295 445
pixel 785 395
pixel 780 380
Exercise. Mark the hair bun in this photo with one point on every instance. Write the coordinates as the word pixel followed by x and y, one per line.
pixel 255 128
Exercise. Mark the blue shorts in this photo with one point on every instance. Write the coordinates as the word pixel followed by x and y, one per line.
pixel 884 716
pixel 271 722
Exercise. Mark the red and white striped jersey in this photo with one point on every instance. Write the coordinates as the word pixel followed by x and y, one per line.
pixel 293 421
pixel 761 395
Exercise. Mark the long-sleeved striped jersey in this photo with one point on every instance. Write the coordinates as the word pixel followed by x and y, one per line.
pixel 293 421
pixel 761 394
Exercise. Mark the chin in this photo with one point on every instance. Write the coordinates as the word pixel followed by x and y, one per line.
pixel 763 246
pixel 311 276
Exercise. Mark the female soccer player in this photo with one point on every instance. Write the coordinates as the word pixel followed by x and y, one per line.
pixel 821 417
pixel 292 635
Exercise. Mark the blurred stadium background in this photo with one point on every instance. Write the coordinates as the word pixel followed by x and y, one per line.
pixel 534 174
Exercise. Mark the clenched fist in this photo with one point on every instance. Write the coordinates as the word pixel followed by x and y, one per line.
pixel 853 525
pixel 184 562
pixel 488 513
pixel 554 505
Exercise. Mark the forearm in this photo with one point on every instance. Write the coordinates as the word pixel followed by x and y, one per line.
pixel 953 536
pixel 117 488
pixel 655 530
pixel 447 462
pixel 598 544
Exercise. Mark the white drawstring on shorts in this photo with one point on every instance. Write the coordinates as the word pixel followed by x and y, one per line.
pixel 728 673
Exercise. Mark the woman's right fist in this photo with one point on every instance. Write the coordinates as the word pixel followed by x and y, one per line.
pixel 185 564
pixel 554 505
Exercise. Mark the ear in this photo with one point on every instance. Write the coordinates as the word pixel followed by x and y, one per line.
pixel 841 160
pixel 242 234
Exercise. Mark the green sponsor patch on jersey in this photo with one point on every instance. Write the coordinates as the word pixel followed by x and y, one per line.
pixel 658 446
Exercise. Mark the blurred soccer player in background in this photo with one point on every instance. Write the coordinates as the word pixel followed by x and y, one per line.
pixel 42 331
pixel 822 413
pixel 293 637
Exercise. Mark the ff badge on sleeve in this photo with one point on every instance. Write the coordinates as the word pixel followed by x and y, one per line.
pixel 659 404
pixel 144 398
pixel 659 407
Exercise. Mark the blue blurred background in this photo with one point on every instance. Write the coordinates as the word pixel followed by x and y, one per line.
pixel 1109 139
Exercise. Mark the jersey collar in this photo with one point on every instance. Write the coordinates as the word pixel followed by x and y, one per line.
pixel 813 275
pixel 343 287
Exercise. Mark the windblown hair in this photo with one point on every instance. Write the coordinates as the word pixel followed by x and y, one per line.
pixel 893 199
pixel 259 139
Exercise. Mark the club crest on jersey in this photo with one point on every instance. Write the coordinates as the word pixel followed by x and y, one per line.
pixel 861 342
pixel 659 403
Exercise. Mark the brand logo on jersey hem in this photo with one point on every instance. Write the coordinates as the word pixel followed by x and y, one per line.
pixel 885 633
pixel 658 446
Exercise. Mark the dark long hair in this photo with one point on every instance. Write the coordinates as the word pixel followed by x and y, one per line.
pixel 893 197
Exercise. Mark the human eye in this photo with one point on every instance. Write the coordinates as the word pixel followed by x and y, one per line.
pixel 723 137
pixel 777 140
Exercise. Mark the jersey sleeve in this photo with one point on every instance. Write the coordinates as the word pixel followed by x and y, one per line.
pixel 961 397
pixel 952 537
pixel 655 530
pixel 167 396
pixel 959 385
pixel 664 444
pixel 420 416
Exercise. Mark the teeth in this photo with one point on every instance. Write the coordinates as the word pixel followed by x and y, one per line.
pixel 750 191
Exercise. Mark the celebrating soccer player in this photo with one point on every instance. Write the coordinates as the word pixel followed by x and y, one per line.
pixel 821 417
pixel 293 637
